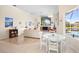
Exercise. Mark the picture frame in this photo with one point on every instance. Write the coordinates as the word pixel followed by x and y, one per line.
pixel 45 21
pixel 8 22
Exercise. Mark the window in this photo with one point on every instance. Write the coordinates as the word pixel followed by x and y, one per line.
pixel 72 23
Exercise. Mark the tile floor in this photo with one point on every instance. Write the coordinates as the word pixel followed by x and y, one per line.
pixel 30 45
pixel 12 46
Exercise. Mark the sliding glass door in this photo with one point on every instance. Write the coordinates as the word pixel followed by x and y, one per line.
pixel 72 23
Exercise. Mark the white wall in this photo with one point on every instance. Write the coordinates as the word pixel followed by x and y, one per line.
pixel 17 15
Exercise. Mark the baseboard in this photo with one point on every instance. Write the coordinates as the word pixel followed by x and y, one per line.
pixel 3 38
pixel 31 37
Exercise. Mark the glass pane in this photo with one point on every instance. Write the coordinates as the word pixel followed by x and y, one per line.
pixel 72 23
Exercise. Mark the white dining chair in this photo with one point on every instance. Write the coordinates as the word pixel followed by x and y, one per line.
pixel 44 42
pixel 55 43
pixel 53 46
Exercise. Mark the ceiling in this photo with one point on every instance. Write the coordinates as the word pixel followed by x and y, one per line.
pixel 40 10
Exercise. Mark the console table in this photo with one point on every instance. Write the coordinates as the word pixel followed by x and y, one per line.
pixel 13 33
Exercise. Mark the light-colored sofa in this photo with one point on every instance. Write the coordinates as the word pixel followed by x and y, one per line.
pixel 32 33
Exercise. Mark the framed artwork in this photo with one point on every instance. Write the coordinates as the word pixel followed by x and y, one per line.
pixel 8 22
pixel 45 21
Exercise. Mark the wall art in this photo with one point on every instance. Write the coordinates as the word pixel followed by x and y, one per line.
pixel 8 22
